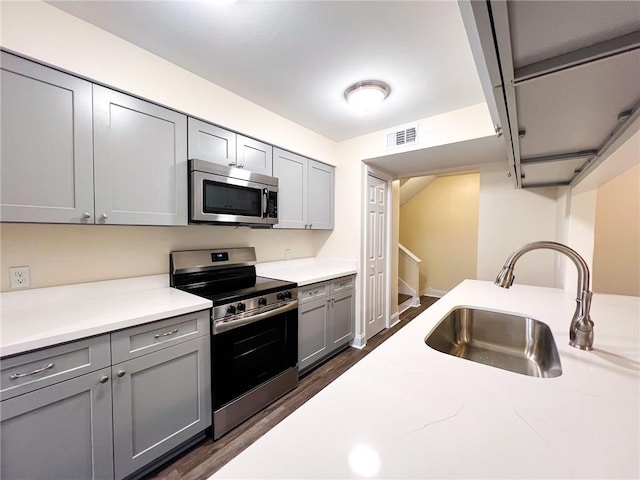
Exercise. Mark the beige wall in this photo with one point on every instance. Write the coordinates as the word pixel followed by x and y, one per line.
pixel 440 226
pixel 509 218
pixel 65 254
pixel 616 259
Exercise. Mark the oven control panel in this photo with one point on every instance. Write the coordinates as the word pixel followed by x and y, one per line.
pixel 253 306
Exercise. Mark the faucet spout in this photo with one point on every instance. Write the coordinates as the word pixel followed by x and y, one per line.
pixel 581 327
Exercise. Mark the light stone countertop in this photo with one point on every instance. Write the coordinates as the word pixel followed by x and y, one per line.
pixel 37 318
pixel 407 411
pixel 305 271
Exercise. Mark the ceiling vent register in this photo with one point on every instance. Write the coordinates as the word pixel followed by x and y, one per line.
pixel 400 138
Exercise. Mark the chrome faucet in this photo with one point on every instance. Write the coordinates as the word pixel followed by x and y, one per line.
pixel 581 328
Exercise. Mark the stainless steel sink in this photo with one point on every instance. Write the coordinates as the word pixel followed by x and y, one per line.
pixel 510 342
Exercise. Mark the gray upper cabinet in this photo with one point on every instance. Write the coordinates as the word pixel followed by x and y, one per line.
pixel 291 171
pixel 321 195
pixel 46 150
pixel 306 192
pixel 66 142
pixel 140 158
pixel 254 155
pixel 214 144
pixel 211 143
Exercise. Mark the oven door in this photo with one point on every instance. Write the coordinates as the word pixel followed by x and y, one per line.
pixel 217 198
pixel 250 355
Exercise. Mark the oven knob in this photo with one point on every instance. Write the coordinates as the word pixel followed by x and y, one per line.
pixel 280 296
pixel 231 310
pixel 262 302
pixel 241 307
pixel 287 295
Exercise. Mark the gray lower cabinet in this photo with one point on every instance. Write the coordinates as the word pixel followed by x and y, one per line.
pixel 46 154
pixel 306 192
pixel 56 413
pixel 313 325
pixel 105 407
pixel 160 400
pixel 60 432
pixel 326 320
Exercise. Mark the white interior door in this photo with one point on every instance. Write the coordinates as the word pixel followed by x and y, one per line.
pixel 376 305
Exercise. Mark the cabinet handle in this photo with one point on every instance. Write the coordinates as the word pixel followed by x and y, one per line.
pixel 104 216
pixel 315 292
pixel 310 226
pixel 120 373
pixel 14 376
pixel 86 215
pixel 232 164
pixel 104 379
pixel 166 334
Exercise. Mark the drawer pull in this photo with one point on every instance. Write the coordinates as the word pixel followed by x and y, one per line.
pixel 166 334
pixel 315 292
pixel 14 376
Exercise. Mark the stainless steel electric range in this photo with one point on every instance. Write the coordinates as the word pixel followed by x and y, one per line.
pixel 254 330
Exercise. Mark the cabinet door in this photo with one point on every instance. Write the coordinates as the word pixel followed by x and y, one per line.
pixel 254 155
pixel 291 171
pixel 313 324
pixel 140 161
pixel 46 154
pixel 211 143
pixel 321 195
pixel 59 432
pixel 160 400
pixel 343 310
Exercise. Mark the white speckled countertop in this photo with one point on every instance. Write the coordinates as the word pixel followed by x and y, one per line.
pixel 42 317
pixel 305 271
pixel 408 411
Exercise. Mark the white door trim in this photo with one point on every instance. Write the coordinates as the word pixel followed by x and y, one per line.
pixel 366 171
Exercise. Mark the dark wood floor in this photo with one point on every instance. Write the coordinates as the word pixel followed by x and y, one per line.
pixel 208 456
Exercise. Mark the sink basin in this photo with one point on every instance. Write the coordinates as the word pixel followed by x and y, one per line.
pixel 510 342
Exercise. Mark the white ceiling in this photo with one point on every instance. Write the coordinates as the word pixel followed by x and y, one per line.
pixel 457 157
pixel 297 58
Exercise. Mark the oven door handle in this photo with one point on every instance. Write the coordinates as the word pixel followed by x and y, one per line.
pixel 223 326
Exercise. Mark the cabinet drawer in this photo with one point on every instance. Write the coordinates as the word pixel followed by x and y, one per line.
pixel 136 341
pixel 30 371
pixel 343 283
pixel 313 292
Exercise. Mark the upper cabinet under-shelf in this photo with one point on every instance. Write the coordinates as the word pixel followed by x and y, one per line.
pixel 561 79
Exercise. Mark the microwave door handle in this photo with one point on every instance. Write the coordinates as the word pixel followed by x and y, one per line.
pixel 265 202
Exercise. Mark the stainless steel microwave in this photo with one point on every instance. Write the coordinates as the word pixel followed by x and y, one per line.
pixel 220 194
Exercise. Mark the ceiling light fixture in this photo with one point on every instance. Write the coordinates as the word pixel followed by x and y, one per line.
pixel 367 94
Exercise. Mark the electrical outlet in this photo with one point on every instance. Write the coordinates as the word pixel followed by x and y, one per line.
pixel 288 254
pixel 20 277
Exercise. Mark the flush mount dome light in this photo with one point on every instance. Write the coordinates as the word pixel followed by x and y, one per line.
pixel 367 94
